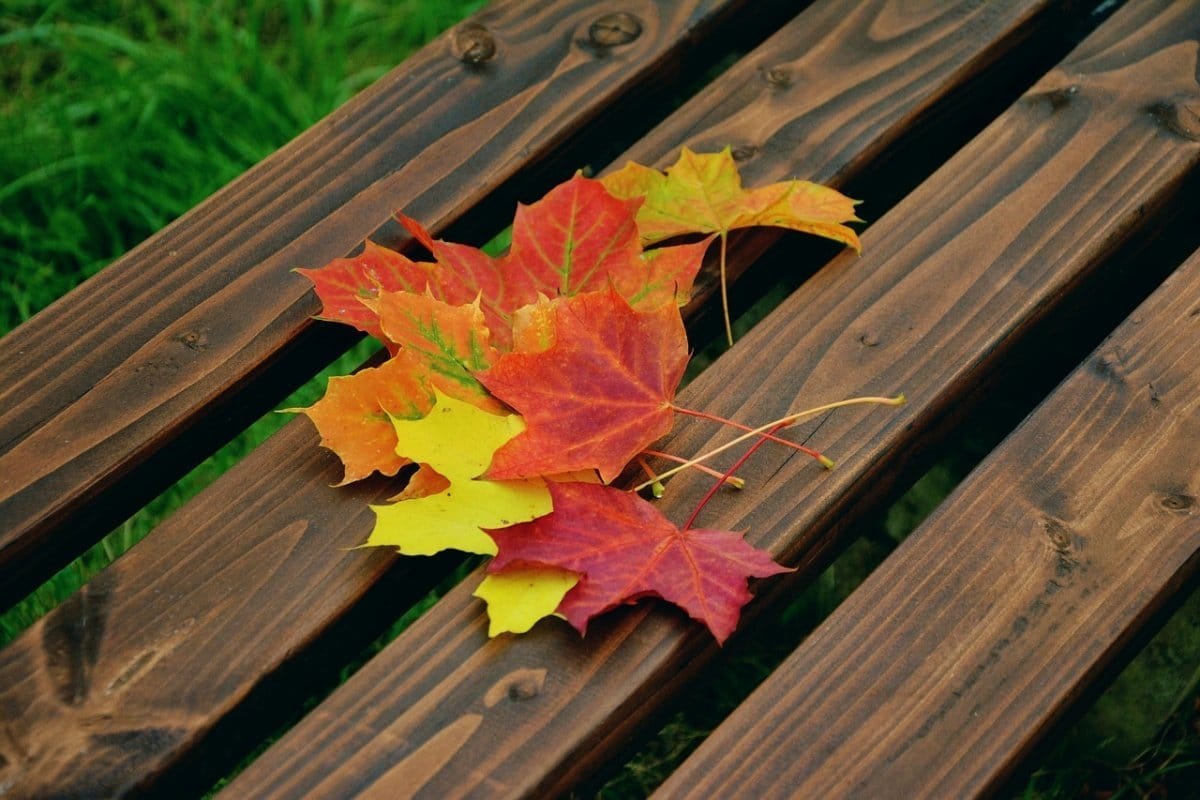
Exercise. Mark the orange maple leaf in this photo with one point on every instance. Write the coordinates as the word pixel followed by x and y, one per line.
pixel 446 343
pixel 354 416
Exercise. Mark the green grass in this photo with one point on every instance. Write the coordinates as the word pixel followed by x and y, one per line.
pixel 116 117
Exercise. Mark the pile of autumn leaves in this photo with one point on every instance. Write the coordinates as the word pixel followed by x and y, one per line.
pixel 576 329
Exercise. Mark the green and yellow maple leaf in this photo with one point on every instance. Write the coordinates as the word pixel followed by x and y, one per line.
pixel 448 342
pixel 703 193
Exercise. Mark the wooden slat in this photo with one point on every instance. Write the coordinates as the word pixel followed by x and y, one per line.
pixel 252 573
pixel 128 381
pixel 950 280
pixel 950 661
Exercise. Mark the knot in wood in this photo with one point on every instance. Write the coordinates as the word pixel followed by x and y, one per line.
pixel 1181 118
pixel 474 44
pixel 615 29
pixel 1110 366
pixel 777 77
pixel 517 686
pixel 1060 537
pixel 1061 98
pixel 743 152
pixel 525 689
pixel 194 340
pixel 1178 502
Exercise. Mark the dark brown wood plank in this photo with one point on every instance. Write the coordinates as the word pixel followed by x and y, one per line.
pixel 855 78
pixel 951 279
pixel 145 369
pixel 950 662
pixel 253 581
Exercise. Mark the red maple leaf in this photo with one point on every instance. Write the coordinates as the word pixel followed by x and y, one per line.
pixel 624 549
pixel 571 241
pixel 578 238
pixel 598 395
pixel 344 283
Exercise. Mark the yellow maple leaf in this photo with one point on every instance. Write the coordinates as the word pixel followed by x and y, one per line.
pixel 457 439
pixel 518 598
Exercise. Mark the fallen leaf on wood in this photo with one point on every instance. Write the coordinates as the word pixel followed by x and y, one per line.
pixel 703 193
pixel 457 440
pixel 625 549
pixel 344 283
pixel 517 598
pixel 597 396
pixel 354 416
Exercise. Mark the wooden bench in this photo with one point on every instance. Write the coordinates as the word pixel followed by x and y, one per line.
pixel 937 677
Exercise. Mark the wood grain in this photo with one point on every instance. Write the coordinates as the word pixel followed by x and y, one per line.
pixel 948 664
pixel 984 251
pixel 248 582
pixel 125 383
pixel 832 94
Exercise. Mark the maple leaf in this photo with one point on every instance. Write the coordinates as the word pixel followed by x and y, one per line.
pixel 344 283
pixel 626 549
pixel 578 238
pixel 533 326
pixel 595 397
pixel 447 343
pixel 466 274
pixel 422 483
pixel 670 273
pixel 457 440
pixel 354 416
pixel 517 598
pixel 440 347
pixel 702 193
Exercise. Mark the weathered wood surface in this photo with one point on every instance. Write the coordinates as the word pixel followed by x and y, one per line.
pixel 943 669
pixel 125 383
pixel 951 279
pixel 184 634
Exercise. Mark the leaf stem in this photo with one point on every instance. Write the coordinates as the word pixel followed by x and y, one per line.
pixel 731 479
pixel 898 400
pixel 826 462
pixel 656 487
pixel 725 293
pixel 736 466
